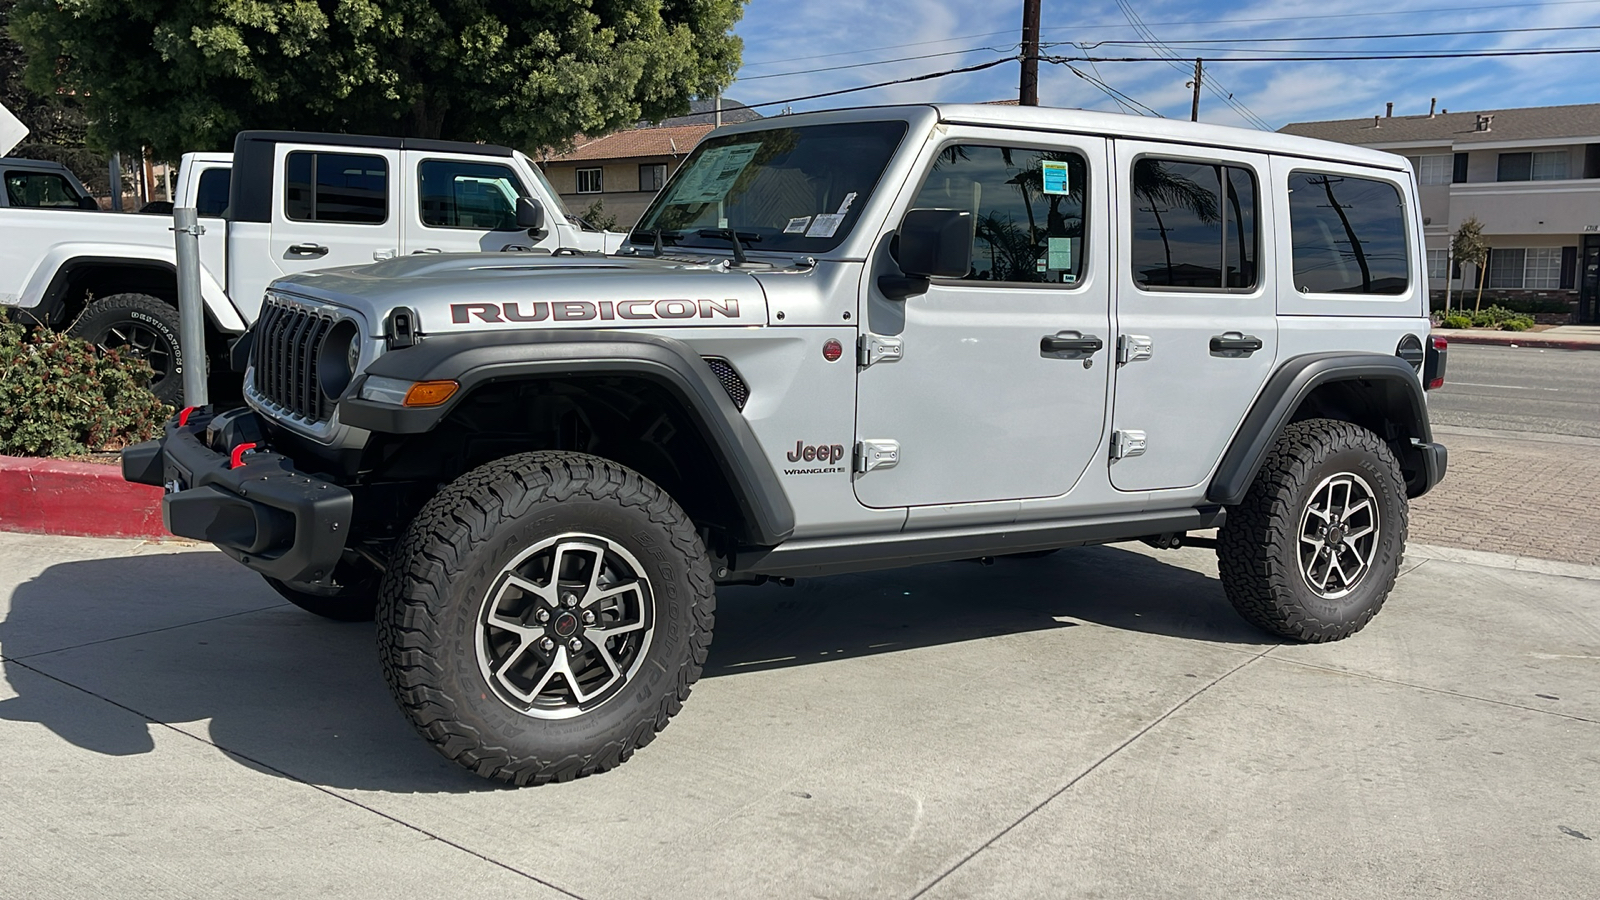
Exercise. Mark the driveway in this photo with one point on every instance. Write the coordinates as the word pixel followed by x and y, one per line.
pixel 1094 724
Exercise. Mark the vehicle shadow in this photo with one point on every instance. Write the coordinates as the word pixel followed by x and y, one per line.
pixel 288 693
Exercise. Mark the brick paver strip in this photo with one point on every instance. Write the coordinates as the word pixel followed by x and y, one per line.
pixel 1513 496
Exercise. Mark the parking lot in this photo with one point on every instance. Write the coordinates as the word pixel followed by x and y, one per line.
pixel 1095 724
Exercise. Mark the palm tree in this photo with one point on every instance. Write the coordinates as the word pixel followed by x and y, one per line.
pixel 1161 187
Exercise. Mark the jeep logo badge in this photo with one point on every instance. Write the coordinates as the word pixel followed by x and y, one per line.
pixel 822 453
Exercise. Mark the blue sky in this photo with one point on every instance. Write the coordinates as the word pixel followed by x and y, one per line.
pixel 790 36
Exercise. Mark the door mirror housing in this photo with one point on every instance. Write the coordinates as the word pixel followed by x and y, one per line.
pixel 932 243
pixel 530 214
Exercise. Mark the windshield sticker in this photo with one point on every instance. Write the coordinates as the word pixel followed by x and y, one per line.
pixel 1059 252
pixel 845 206
pixel 714 174
pixel 825 225
pixel 1055 177
pixel 797 225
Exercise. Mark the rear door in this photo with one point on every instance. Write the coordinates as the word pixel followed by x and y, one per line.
pixel 1196 311
pixel 465 204
pixel 335 207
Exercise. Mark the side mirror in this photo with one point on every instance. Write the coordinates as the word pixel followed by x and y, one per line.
pixel 88 203
pixel 530 214
pixel 933 243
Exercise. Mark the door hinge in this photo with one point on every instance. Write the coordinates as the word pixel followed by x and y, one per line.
pixel 877 454
pixel 875 348
pixel 389 253
pixel 1127 443
pixel 1132 348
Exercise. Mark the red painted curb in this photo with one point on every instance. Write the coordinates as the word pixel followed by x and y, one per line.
pixel 58 496
pixel 1518 339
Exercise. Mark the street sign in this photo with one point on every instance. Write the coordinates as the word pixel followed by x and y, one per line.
pixel 12 131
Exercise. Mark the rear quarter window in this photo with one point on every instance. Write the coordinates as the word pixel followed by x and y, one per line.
pixel 1348 235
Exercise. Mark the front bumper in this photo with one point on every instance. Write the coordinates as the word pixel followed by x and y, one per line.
pixel 263 512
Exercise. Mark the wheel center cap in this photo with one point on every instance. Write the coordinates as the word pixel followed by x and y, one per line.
pixel 566 624
pixel 1335 535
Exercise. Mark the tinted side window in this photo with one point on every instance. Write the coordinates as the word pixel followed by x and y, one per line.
pixel 1027 207
pixel 1194 225
pixel 40 189
pixel 211 194
pixel 1349 235
pixel 468 195
pixel 336 187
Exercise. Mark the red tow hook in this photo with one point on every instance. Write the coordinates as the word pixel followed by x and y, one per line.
pixel 183 415
pixel 236 459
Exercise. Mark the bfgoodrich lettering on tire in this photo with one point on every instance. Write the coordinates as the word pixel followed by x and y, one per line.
pixel 545 616
pixel 1313 551
pixel 142 326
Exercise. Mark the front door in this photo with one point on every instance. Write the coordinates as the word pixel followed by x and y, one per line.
pixel 998 391
pixel 465 205
pixel 1589 279
pixel 1196 314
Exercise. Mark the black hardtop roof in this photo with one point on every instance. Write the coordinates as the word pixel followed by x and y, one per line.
pixel 376 142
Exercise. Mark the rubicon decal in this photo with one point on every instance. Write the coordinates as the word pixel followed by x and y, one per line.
pixel 826 454
pixel 589 310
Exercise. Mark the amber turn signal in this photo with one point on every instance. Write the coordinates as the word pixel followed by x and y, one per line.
pixel 430 393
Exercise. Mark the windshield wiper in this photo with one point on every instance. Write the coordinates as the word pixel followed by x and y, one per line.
pixel 732 237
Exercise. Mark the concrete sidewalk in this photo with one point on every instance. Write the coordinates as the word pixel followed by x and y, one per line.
pixel 1096 723
pixel 1561 337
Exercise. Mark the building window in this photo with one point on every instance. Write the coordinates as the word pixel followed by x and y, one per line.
pixel 336 187
pixel 1550 166
pixel 1505 268
pixel 1459 176
pixel 1542 269
pixel 1348 235
pixel 1435 169
pixel 1438 263
pixel 589 181
pixel 652 177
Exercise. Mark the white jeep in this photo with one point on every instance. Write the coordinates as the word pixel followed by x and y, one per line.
pixel 836 342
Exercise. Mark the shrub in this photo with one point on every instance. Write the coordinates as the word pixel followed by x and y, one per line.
pixel 1520 323
pixel 1457 321
pixel 59 396
pixel 1493 316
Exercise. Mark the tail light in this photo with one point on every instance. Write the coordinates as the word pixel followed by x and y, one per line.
pixel 1433 368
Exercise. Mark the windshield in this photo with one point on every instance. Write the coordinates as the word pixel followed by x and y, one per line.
pixel 785 189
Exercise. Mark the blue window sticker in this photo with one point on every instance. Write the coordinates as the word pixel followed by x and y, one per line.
pixel 1055 177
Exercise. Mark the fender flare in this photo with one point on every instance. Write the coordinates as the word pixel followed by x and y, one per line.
pixel 476 359
pixel 1289 387
pixel 49 279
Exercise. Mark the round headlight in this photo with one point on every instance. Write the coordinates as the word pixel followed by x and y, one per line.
pixel 337 359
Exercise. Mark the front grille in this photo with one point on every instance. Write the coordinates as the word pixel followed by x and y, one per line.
pixel 737 390
pixel 284 355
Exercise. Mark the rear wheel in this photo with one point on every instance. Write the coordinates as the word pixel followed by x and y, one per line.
pixel 1313 551
pixel 545 616
pixel 143 327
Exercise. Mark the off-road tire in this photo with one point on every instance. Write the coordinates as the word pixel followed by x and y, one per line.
pixel 448 561
pixel 101 320
pixel 1258 545
pixel 356 600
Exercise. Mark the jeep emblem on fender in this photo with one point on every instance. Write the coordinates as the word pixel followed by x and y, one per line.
pixel 823 453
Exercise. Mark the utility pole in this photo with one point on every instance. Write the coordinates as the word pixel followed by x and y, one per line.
pixel 1194 108
pixel 1028 91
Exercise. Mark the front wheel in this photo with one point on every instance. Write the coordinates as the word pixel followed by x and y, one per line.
pixel 545 616
pixel 1313 551
pixel 143 327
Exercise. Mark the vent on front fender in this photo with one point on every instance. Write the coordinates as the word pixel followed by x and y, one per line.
pixel 738 391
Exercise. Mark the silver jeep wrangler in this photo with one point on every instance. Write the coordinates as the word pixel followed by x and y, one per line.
pixel 836 342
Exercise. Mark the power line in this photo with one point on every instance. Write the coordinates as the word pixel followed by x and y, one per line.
pixel 1096 26
pixel 867 87
pixel 1215 87
pixel 879 62
pixel 1464 54
pixel 1116 96
pixel 1090 45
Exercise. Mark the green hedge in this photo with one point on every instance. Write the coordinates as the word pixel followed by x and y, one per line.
pixel 61 397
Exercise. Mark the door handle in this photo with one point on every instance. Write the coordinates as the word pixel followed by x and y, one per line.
pixel 1072 343
pixel 308 250
pixel 1234 344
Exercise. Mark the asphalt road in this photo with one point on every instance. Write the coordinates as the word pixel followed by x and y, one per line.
pixel 1520 389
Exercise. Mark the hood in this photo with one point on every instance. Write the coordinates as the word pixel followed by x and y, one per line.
pixel 453 292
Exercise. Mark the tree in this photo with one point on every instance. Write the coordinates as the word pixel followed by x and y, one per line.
pixel 56 126
pixel 1468 245
pixel 180 75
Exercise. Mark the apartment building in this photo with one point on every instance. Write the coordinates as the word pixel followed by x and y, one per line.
pixel 1531 176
